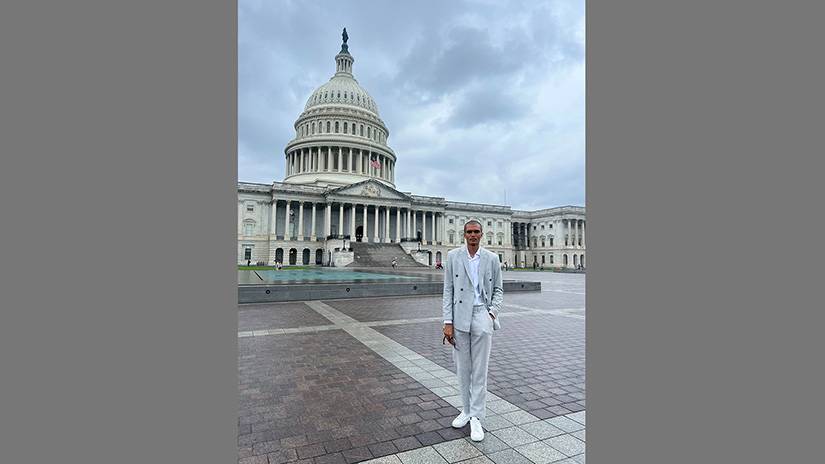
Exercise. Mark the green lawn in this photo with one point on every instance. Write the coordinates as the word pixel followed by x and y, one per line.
pixel 530 269
pixel 243 267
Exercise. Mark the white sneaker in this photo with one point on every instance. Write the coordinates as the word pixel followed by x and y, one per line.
pixel 461 420
pixel 476 432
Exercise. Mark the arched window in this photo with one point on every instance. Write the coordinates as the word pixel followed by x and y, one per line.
pixel 345 127
pixel 313 128
pixel 369 132
pixel 362 130
pixel 328 127
pixel 551 259
pixel 451 236
pixel 336 127
pixel 353 128
pixel 489 238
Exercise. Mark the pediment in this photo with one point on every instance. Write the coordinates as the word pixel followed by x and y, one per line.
pixel 370 189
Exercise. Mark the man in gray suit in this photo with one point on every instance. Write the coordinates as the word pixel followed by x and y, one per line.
pixel 472 299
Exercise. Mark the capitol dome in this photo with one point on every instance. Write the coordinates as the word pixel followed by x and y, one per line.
pixel 339 137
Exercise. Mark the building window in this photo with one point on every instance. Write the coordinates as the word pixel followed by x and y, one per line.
pixel 451 236
pixel 542 243
pixel 250 208
pixel 313 128
pixel 336 127
pixel 542 227
pixel 551 241
pixel 542 259
pixel 353 128
pixel 489 223
pixel 369 132
pixel 247 253
pixel 345 127
pixel 328 127
pixel 551 259
pixel 248 228
pixel 489 239
pixel 550 226
pixel 499 224
pixel 450 220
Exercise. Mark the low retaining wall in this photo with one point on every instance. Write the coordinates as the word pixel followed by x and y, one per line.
pixel 303 292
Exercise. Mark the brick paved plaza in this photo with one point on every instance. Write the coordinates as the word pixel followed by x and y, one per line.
pixel 368 380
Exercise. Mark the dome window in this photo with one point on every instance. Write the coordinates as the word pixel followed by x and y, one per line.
pixel 362 130
pixel 328 126
pixel 313 128
pixel 339 94
pixel 369 132
pixel 345 127
pixel 336 127
pixel 353 128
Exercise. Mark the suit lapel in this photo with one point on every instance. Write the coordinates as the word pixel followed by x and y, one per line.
pixel 465 259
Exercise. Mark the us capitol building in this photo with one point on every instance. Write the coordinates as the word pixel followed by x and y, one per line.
pixel 339 188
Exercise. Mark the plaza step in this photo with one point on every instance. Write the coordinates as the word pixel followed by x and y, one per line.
pixel 381 255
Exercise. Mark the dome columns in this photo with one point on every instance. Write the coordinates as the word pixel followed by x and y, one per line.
pixel 307 161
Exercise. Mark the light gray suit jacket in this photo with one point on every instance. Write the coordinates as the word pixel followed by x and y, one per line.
pixel 457 301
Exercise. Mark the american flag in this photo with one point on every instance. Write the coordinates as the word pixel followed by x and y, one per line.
pixel 375 163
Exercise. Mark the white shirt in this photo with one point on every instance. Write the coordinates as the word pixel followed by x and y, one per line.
pixel 474 262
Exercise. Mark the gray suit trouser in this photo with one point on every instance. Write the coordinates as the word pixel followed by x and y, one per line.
pixel 472 355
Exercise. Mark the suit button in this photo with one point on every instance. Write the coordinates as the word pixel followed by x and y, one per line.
pixel 491 280
pixel 456 275
pixel 459 301
pixel 462 289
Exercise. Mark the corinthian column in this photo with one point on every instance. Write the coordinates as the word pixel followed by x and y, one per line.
pixel 287 234
pixel 397 225
pixel 340 216
pixel 364 234
pixel 386 224
pixel 312 232
pixel 273 217
pixel 424 226
pixel 301 220
pixel 377 239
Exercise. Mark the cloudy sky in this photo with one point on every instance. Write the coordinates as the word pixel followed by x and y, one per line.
pixel 482 98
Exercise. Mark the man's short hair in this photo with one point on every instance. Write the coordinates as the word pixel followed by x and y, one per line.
pixel 473 221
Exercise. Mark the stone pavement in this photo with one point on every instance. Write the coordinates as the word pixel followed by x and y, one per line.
pixel 368 380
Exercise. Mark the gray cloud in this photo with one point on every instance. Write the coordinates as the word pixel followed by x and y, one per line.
pixel 497 83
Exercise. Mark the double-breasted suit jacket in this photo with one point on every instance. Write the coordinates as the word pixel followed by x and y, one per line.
pixel 457 301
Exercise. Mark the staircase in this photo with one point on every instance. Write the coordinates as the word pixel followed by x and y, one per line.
pixel 381 255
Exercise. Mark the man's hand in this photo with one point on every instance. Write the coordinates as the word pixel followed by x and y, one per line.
pixel 448 334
